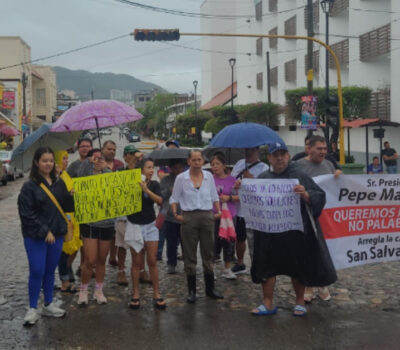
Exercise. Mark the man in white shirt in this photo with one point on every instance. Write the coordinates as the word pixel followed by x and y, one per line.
pixel 249 167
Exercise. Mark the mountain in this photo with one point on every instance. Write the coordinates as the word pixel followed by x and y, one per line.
pixel 83 82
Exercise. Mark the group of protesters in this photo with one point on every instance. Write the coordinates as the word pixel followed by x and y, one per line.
pixel 191 201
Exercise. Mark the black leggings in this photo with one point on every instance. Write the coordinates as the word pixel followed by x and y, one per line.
pixel 222 244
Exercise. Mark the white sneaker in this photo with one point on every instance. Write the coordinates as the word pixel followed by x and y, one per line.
pixel 83 297
pixel 31 316
pixel 53 311
pixel 99 296
pixel 228 274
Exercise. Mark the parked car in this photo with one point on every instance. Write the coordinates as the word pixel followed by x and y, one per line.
pixel 3 173
pixel 106 132
pixel 133 137
pixel 12 172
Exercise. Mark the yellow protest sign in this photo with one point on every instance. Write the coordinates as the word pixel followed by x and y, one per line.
pixel 106 196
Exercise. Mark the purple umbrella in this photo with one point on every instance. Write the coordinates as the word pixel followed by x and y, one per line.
pixel 96 114
pixel 8 130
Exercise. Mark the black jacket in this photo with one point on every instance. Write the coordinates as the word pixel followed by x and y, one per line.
pixel 37 212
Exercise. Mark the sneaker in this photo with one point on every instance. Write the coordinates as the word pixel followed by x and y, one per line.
pixel 229 275
pixel 99 296
pixel 171 270
pixel 83 297
pixel 121 278
pixel 238 269
pixel 53 311
pixel 324 294
pixel 31 316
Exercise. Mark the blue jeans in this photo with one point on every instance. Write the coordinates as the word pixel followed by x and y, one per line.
pixel 43 259
pixel 391 169
pixel 172 234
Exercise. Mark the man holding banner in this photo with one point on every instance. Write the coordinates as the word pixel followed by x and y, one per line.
pixel 288 240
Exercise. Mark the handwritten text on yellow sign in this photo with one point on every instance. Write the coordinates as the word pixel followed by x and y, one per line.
pixel 106 196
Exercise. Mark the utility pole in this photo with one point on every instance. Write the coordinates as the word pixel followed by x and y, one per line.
pixel 268 78
pixel 310 33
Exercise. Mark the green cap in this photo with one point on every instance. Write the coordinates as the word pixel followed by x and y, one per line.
pixel 130 149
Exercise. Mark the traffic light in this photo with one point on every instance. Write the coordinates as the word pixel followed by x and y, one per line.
pixel 156 34
pixel 332 112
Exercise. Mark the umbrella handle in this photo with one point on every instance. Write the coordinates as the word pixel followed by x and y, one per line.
pixel 98 131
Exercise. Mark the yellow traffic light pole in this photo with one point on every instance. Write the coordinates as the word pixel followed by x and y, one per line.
pixel 296 37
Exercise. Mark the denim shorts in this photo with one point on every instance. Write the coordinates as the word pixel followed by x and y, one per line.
pixel 150 232
pixel 102 233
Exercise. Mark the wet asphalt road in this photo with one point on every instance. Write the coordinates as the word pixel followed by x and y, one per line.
pixel 364 312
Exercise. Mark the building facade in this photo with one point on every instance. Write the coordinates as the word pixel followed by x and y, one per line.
pixel 44 89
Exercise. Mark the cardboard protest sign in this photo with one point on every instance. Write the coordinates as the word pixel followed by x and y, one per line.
pixel 361 219
pixel 270 205
pixel 107 196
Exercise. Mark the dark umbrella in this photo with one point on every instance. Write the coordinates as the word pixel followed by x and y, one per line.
pixel 163 156
pixel 232 155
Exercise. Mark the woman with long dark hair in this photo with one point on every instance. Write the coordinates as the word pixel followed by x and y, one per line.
pixel 43 229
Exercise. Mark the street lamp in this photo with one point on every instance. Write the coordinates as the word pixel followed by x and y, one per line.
pixel 327 6
pixel 198 137
pixel 232 62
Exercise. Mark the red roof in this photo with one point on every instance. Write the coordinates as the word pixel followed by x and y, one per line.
pixel 222 98
pixel 37 75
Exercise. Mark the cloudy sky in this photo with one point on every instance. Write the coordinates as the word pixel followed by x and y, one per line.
pixel 53 26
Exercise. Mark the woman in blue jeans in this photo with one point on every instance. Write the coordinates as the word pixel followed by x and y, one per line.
pixel 43 229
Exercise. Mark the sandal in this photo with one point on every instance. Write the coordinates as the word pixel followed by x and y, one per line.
pixel 71 289
pixel 159 303
pixel 324 294
pixel 299 311
pixel 134 303
pixel 261 310
pixel 308 295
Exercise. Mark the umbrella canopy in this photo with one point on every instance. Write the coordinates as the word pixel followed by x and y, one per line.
pixel 164 155
pixel 22 156
pixel 245 135
pixel 96 114
pixel 8 130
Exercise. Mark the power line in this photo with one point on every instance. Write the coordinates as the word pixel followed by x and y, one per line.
pixel 66 52
pixel 197 14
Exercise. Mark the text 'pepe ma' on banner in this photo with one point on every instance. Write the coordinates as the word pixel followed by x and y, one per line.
pixel 361 218
pixel 270 205
pixel 107 196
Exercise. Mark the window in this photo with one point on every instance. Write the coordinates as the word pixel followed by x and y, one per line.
pixel 380 104
pixel 42 117
pixel 339 6
pixel 273 43
pixel 273 76
pixel 141 99
pixel 41 97
pixel 259 11
pixel 375 43
pixel 315 62
pixel 259 78
pixel 341 50
pixel 290 26
pixel 315 16
pixel 273 5
pixel 290 71
pixel 259 47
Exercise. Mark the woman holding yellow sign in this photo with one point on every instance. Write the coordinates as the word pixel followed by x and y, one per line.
pixel 96 236
pixel 143 236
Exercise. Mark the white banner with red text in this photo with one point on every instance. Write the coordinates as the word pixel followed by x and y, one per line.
pixel 361 218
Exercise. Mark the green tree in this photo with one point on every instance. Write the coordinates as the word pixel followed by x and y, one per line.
pixel 356 101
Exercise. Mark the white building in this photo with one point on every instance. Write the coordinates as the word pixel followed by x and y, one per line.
pixel 364 35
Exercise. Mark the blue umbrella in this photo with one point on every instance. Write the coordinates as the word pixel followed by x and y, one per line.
pixel 245 135
pixel 22 156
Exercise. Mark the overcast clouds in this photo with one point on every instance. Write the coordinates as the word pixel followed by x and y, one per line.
pixel 52 26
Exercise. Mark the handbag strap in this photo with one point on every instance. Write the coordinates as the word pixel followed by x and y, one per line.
pixel 54 200
pixel 247 168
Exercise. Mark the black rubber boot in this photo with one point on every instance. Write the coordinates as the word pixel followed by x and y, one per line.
pixel 191 281
pixel 210 289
